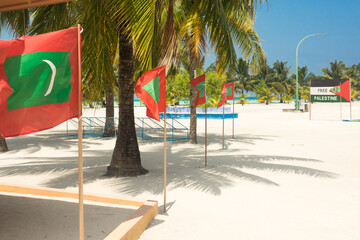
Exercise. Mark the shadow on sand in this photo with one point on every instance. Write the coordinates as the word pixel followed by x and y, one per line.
pixel 185 165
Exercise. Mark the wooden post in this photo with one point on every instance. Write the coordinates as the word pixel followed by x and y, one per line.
pixel 350 100
pixel 205 126
pixel 310 102
pixel 165 161
pixel 340 106
pixel 80 155
pixel 223 138
pixel 233 126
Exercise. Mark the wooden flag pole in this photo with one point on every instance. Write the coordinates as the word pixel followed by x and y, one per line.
pixel 205 126
pixel 310 102
pixel 350 100
pixel 80 155
pixel 165 161
pixel 223 138
pixel 340 106
pixel 233 126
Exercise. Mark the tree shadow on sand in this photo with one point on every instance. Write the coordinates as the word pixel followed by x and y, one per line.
pixel 225 168
pixel 222 171
pixel 56 140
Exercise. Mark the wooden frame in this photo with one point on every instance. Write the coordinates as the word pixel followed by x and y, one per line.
pixel 130 229
pixel 11 5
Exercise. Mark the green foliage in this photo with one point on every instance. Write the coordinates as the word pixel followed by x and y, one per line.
pixel 214 81
pixel 280 79
pixel 240 74
pixel 177 86
pixel 264 93
pixel 304 76
pixel 353 73
pixel 17 22
pixel 336 70
pixel 242 100
pixel 354 94
pixel 304 92
pixel 288 97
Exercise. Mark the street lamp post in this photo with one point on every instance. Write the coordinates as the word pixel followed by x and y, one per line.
pixel 297 70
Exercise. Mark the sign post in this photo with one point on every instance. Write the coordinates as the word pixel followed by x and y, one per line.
pixel 340 109
pixel 310 103
pixel 206 163
pixel 350 99
pixel 223 138
pixel 165 161
pixel 233 123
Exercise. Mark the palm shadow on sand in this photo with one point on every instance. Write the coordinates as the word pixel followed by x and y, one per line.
pixel 186 171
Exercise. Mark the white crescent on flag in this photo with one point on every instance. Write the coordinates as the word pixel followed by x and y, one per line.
pixel 53 69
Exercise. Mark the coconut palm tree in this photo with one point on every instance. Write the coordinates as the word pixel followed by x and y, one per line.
pixel 242 99
pixel 136 28
pixel 353 73
pixel 151 30
pixel 240 74
pixel 147 37
pixel 98 50
pixel 97 72
pixel 265 74
pixel 99 41
pixel 304 76
pixel 227 25
pixel 264 93
pixel 304 92
pixel 15 21
pixel 144 27
pixel 336 70
pixel 280 80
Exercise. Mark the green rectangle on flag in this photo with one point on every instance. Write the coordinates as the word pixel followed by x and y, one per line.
pixel 38 78
pixel 201 88
pixel 228 91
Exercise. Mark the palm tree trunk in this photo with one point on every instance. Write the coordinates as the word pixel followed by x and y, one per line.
pixel 3 145
pixel 192 133
pixel 110 121
pixel 126 159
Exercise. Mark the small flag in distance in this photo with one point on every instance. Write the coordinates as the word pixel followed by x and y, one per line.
pixel 151 89
pixel 199 84
pixel 227 92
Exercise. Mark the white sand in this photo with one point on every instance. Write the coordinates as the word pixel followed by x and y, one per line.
pixel 282 177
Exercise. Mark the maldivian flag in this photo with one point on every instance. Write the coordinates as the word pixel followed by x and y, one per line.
pixel 228 91
pixel 38 82
pixel 151 89
pixel 200 87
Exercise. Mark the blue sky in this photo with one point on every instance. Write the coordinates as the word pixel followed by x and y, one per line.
pixel 284 23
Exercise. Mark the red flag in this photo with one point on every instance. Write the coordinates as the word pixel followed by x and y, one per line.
pixel 199 84
pixel 344 90
pixel 151 89
pixel 228 92
pixel 38 82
